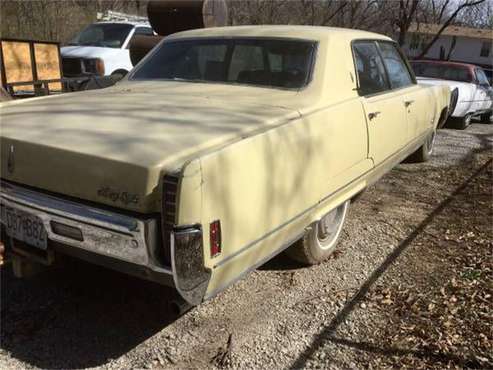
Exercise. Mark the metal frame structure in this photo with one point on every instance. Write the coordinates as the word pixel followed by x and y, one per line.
pixel 40 87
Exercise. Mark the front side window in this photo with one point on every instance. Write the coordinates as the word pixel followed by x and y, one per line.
pixel 109 35
pixel 481 77
pixel 266 62
pixel 398 73
pixel 370 69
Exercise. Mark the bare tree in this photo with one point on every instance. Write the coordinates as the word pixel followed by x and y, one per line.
pixel 479 16
pixel 446 16
pixel 400 15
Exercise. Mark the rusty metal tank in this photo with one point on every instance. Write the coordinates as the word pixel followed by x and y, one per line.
pixel 171 16
pixel 140 45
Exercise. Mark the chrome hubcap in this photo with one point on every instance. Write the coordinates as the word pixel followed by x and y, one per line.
pixel 329 227
pixel 431 141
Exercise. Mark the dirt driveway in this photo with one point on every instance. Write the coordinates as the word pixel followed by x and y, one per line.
pixel 410 286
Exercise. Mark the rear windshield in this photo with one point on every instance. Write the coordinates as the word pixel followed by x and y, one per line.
pixel 442 72
pixel 263 62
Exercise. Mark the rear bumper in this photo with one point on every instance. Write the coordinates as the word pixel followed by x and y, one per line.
pixel 125 243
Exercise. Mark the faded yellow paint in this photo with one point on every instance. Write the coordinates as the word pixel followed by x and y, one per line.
pixel 265 162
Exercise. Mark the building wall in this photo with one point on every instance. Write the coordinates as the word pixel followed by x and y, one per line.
pixel 466 49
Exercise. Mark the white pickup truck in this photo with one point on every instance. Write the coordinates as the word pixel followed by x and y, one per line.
pixel 101 49
pixel 475 95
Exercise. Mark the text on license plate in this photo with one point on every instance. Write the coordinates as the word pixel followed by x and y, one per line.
pixel 24 227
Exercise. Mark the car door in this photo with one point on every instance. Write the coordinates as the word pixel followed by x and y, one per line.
pixel 384 108
pixel 414 97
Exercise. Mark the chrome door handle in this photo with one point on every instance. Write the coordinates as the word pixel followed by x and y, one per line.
pixel 373 115
pixel 407 103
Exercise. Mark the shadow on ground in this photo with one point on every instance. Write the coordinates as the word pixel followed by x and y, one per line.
pixel 81 316
pixel 328 333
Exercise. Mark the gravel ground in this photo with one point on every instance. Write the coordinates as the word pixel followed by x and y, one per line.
pixel 409 286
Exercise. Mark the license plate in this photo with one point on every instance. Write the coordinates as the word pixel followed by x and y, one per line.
pixel 24 227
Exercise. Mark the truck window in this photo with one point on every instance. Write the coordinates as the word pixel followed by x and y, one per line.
pixel 442 71
pixel 399 75
pixel 481 77
pixel 110 35
pixel 369 67
pixel 147 31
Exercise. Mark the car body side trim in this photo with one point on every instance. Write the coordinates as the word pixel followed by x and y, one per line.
pixel 394 157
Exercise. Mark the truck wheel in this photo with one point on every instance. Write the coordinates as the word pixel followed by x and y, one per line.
pixel 461 123
pixel 424 152
pixel 118 75
pixel 321 237
pixel 486 118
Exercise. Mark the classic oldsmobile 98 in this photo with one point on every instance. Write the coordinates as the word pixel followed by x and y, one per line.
pixel 222 148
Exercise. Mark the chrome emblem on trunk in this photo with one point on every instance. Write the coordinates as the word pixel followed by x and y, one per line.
pixel 11 160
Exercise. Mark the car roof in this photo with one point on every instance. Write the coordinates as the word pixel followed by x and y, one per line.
pixel 446 63
pixel 283 31
pixel 142 24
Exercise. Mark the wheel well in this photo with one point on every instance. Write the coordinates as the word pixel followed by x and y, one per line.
pixel 122 72
pixel 443 117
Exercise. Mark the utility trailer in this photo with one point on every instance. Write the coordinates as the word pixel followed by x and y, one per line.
pixel 34 68
pixel 30 68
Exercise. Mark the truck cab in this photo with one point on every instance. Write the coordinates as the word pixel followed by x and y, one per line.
pixel 101 49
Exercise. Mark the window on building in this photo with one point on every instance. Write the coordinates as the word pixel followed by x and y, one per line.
pixel 415 41
pixel 485 49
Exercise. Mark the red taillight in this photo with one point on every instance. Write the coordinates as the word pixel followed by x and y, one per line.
pixel 215 238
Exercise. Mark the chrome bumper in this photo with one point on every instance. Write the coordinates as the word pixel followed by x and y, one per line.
pixel 114 235
pixel 117 237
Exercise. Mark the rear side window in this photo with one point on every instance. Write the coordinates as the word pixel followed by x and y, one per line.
pixel 442 71
pixel 370 69
pixel 397 70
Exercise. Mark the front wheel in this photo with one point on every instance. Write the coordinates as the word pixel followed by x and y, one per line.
pixel 321 238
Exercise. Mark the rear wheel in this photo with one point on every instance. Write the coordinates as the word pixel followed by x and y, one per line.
pixel 424 152
pixel 486 117
pixel 118 75
pixel 461 123
pixel 321 238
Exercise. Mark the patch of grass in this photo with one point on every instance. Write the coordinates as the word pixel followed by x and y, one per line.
pixel 471 274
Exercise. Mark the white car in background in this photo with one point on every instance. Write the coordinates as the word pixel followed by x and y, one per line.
pixel 475 95
pixel 101 49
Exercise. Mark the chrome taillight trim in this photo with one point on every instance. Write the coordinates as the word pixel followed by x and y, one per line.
pixel 190 276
